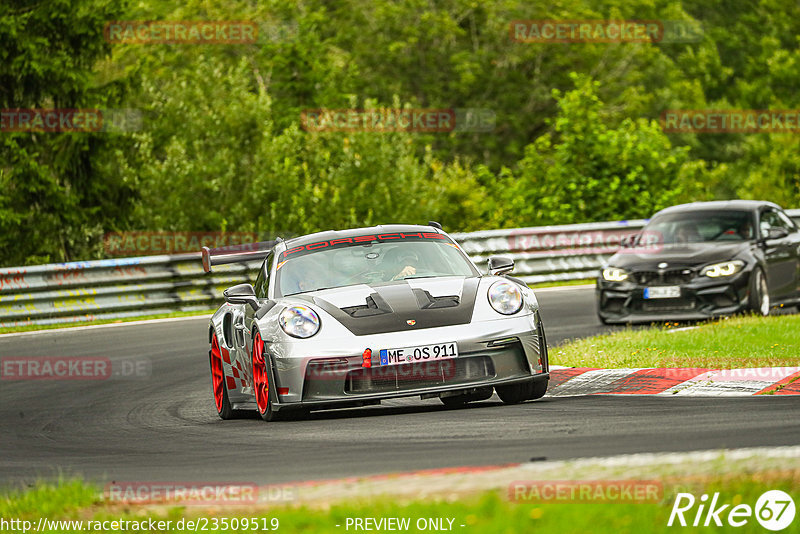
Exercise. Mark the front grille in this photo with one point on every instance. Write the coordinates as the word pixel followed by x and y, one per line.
pixel 668 305
pixel 672 277
pixel 408 376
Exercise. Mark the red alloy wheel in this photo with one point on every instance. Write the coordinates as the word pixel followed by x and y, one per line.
pixel 260 379
pixel 217 378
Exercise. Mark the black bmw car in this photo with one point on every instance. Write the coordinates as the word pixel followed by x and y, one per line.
pixel 701 260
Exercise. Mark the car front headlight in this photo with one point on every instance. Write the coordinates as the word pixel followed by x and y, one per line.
pixel 299 321
pixel 615 274
pixel 726 268
pixel 505 297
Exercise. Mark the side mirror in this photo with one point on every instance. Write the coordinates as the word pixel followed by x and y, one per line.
pixel 777 233
pixel 500 265
pixel 241 294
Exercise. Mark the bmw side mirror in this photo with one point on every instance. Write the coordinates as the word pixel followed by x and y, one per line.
pixel 500 265
pixel 777 233
pixel 241 294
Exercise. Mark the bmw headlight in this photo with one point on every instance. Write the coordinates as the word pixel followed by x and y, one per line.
pixel 505 297
pixel 726 268
pixel 615 274
pixel 299 321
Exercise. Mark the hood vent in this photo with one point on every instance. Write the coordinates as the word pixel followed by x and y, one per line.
pixel 390 307
pixel 428 302
pixel 375 306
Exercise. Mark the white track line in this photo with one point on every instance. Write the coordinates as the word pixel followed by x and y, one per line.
pixel 107 325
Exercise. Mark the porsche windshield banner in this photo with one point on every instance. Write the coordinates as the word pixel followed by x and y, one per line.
pixel 302 250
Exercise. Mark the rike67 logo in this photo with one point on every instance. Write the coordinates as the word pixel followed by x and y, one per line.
pixel 774 510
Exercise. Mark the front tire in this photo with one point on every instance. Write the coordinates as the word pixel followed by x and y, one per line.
pixel 261 380
pixel 221 401
pixel 759 293
pixel 539 389
pixel 515 393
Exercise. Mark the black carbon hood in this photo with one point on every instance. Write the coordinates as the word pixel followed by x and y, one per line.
pixel 398 307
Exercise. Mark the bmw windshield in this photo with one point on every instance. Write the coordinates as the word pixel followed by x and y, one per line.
pixel 684 227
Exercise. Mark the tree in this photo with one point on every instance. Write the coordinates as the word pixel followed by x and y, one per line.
pixel 54 201
pixel 589 169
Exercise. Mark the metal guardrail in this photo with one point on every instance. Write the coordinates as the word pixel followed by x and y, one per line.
pixel 110 289
pixel 550 253
pixel 127 287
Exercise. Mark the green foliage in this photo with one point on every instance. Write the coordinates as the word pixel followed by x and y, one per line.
pixel 221 147
pixel 55 198
pixel 588 169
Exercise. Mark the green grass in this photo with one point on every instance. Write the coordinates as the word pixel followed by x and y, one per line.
pixel 733 343
pixel 487 512
pixel 31 328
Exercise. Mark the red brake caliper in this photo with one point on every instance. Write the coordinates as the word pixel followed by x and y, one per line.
pixel 217 380
pixel 260 381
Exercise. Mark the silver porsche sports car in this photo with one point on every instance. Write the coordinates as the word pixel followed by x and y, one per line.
pixel 350 318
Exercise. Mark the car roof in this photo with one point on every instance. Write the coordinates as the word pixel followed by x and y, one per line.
pixel 328 235
pixel 734 205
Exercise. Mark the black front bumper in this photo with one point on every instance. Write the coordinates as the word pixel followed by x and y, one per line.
pixel 701 298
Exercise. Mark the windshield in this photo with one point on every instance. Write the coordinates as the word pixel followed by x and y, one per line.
pixel 701 227
pixel 370 263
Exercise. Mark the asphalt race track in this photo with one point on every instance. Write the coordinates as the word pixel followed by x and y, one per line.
pixel 163 427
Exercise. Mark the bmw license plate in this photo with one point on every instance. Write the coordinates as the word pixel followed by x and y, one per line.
pixel 421 353
pixel 662 292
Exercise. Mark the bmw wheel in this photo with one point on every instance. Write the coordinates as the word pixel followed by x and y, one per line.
pixel 759 293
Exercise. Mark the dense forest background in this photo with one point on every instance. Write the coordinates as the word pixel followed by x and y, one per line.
pixel 220 146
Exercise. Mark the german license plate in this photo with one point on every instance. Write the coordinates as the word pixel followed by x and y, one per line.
pixel 420 353
pixel 663 292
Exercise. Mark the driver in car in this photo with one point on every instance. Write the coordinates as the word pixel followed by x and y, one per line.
pixel 687 234
pixel 303 277
pixel 410 263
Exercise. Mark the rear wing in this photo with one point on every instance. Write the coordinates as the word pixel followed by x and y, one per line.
pixel 235 254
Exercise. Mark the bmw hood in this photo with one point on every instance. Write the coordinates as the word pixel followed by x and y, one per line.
pixel 397 306
pixel 677 256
